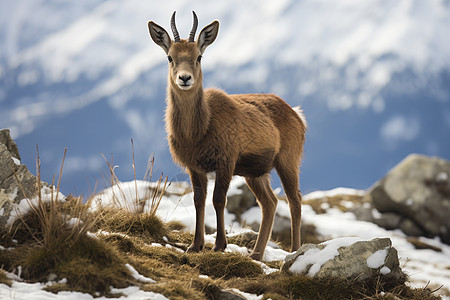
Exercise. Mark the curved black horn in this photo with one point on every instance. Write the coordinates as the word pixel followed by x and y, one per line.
pixel 176 35
pixel 194 28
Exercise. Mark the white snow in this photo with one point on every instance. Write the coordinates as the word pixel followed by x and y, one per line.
pixel 441 177
pixel 272 254
pixel 72 222
pixel 16 161
pixel 26 291
pixel 47 195
pixel 377 259
pixel 247 296
pixel 333 193
pixel 385 270
pixel 138 276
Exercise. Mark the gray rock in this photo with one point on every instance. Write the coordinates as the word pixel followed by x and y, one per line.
pixel 389 220
pixel 215 292
pixel 5 139
pixel 281 230
pixel 239 203
pixel 16 182
pixel 362 260
pixel 363 213
pixel 228 295
pixel 410 228
pixel 418 189
pixel 7 165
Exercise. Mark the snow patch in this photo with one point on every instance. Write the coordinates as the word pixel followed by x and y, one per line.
pixel 333 193
pixel 16 161
pixel 72 222
pixel 377 259
pixel 247 296
pixel 24 206
pixel 138 276
pixel 441 177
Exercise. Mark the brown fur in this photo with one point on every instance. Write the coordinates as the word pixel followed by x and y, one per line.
pixel 247 134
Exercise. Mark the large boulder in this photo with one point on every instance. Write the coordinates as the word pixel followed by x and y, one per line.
pixel 346 258
pixel 16 182
pixel 417 190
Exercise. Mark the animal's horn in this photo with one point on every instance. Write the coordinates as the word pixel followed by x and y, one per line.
pixel 176 35
pixel 194 28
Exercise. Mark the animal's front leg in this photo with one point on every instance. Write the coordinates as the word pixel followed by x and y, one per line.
pixel 219 200
pixel 199 184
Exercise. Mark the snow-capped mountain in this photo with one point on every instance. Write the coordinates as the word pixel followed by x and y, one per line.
pixel 373 78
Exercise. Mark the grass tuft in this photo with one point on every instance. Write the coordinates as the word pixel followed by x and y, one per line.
pixel 282 286
pixel 146 226
pixel 4 279
pixel 224 265
pixel 90 265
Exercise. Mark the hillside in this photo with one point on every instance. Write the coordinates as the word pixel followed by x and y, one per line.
pixel 130 241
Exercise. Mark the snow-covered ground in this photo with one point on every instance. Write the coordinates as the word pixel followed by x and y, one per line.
pixel 422 266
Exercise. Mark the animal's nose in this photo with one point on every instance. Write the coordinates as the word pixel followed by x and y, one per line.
pixel 185 77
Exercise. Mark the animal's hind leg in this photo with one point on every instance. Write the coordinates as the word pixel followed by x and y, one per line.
pixel 290 180
pixel 260 186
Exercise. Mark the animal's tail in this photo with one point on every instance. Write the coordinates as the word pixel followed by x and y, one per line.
pixel 300 113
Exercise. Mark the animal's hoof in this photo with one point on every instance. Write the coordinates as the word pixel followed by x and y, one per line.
pixel 256 256
pixel 194 248
pixel 218 248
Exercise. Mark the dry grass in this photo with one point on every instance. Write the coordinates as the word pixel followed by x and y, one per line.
pixel 342 202
pixel 136 203
pixel 4 279
pixel 148 227
pixel 282 286
pixel 48 243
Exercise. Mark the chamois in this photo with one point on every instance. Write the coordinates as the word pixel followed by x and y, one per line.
pixel 246 134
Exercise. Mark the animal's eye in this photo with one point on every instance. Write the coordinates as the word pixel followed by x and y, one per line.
pixel 199 58
pixel 170 58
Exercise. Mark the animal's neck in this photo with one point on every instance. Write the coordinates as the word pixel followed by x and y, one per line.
pixel 187 114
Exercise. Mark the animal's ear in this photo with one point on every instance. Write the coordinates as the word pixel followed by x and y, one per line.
pixel 207 36
pixel 160 36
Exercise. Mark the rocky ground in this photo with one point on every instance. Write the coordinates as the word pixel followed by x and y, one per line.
pixel 390 241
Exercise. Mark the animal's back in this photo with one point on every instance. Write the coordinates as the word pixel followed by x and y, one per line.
pixel 290 123
pixel 248 124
